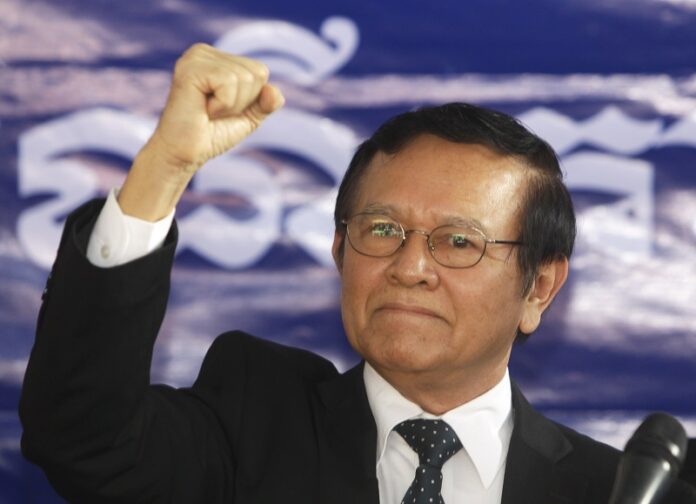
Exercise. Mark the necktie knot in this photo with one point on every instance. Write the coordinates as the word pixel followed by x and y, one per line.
pixel 433 440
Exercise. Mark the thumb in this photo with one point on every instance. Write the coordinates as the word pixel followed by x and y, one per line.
pixel 269 100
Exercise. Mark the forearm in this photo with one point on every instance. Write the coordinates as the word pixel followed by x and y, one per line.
pixel 154 184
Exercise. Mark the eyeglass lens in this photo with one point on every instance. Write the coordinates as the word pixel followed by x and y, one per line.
pixel 381 236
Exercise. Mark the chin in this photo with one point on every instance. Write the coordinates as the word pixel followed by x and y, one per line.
pixel 412 360
pixel 401 349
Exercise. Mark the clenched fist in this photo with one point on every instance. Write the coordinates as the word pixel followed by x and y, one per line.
pixel 215 101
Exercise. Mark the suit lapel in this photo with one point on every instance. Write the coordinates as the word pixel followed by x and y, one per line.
pixel 348 440
pixel 532 472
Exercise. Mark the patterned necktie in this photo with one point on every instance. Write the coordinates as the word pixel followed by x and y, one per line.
pixel 434 441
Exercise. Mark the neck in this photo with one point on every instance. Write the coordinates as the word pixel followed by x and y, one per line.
pixel 439 392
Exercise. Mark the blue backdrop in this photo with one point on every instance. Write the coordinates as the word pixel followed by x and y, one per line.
pixel 612 85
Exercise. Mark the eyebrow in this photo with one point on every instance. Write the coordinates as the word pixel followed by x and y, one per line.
pixel 449 220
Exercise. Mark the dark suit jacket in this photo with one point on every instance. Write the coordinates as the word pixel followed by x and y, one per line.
pixel 263 423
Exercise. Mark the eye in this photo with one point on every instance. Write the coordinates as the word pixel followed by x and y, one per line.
pixel 459 241
pixel 456 240
pixel 384 229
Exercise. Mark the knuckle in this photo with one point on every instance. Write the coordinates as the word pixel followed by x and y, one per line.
pixel 244 77
pixel 232 78
pixel 262 71
pixel 185 59
pixel 193 53
pixel 257 69
pixel 180 64
pixel 197 48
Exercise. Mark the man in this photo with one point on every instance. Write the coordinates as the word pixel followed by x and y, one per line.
pixel 453 233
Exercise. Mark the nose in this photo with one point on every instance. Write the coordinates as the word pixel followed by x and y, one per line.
pixel 412 264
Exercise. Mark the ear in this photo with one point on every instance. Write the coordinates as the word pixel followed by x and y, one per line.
pixel 338 249
pixel 548 281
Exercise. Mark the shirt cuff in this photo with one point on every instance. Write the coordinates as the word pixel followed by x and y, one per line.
pixel 118 238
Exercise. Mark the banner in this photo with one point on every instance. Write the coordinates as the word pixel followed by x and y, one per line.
pixel 612 86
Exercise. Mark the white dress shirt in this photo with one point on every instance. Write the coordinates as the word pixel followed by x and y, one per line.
pixel 474 475
pixel 118 238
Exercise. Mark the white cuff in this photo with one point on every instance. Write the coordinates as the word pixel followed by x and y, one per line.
pixel 118 238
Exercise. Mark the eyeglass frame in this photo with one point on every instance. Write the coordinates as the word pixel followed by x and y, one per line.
pixel 431 248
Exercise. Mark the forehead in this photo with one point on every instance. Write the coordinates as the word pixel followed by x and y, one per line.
pixel 434 180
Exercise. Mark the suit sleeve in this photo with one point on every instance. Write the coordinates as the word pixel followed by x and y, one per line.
pixel 91 419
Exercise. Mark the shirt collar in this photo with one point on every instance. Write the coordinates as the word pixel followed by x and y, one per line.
pixel 483 425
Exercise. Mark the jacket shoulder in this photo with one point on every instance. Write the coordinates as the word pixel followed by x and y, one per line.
pixel 236 354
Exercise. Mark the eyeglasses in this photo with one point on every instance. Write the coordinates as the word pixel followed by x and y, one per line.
pixel 377 235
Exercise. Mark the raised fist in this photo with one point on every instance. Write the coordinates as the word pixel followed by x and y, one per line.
pixel 215 101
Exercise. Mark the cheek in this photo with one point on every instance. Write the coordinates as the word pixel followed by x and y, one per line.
pixel 358 281
pixel 489 306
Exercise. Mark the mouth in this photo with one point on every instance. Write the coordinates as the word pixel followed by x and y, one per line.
pixel 408 309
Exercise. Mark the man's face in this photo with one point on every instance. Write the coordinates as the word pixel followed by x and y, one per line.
pixel 408 314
